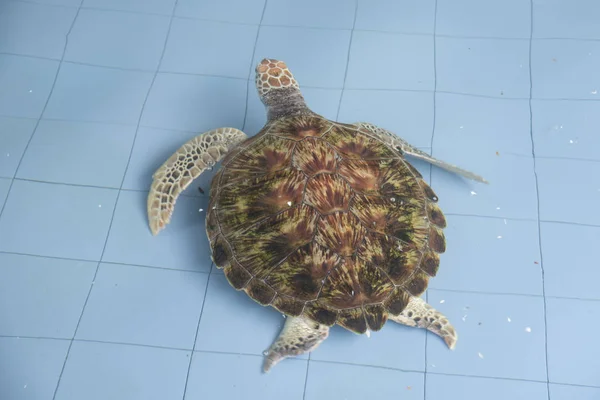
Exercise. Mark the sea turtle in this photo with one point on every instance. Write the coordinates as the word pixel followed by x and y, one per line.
pixel 324 221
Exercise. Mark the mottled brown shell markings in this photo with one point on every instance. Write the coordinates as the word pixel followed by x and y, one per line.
pixel 302 274
pixel 328 193
pixel 316 218
pixel 314 156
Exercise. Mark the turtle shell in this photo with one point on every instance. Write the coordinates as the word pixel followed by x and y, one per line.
pixel 319 218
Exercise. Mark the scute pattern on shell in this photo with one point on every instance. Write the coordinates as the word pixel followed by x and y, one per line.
pixel 319 218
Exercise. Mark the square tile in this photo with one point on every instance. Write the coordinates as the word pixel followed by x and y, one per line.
pixel 407 114
pixel 80 153
pixel 26 84
pixel 486 67
pixel 195 103
pixel 146 306
pixel 500 336
pixel 566 128
pixel 300 47
pixel 481 124
pixel 181 245
pixel 4 187
pixel 410 56
pixel 98 371
pixel 42 297
pixel 31 367
pixel 478 18
pixel 565 69
pixel 118 39
pixel 353 382
pixel 568 258
pixel 507 174
pixel 330 14
pixel 404 16
pixel 199 47
pixel 56 220
pixel 152 148
pixel 235 11
pixel 563 392
pixel 395 346
pixel 470 388
pixel 14 136
pixel 559 180
pixel 97 94
pixel 145 6
pixel 237 376
pixel 571 355
pixel 41 29
pixel 228 313
pixel 322 101
pixel 557 19
pixel 490 255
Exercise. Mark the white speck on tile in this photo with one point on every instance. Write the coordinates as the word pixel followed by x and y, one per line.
pixel 30 91
pixel 571 141
pixel 200 209
pixel 99 205
pixel 368 333
pixel 473 193
pixel 528 330
pixel 433 365
pixel 594 92
pixel 460 127
pixel 499 237
pixel 7 154
pixel 442 301
pixel 480 355
pixel 505 221
pixel 464 318
pixel 508 319
pixel 497 208
pixel 25 387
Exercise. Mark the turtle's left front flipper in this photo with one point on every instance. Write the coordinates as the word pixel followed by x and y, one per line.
pixel 405 148
pixel 299 335
pixel 185 165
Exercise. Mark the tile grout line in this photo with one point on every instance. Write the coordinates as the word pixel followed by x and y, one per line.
pixel 405 33
pixel 117 197
pixel 262 16
pixel 17 171
pixel 187 376
pixel 39 119
pixel 537 190
pixel 318 361
pixel 197 74
pixel 435 11
pixel 337 116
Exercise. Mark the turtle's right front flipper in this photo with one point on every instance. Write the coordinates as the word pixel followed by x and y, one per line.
pixel 185 165
pixel 405 148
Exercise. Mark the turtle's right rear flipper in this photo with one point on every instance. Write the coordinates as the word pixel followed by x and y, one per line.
pixel 185 165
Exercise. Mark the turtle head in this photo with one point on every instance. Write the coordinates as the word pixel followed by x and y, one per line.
pixel 278 89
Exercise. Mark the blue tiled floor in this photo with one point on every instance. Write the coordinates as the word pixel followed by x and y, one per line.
pixel 96 94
